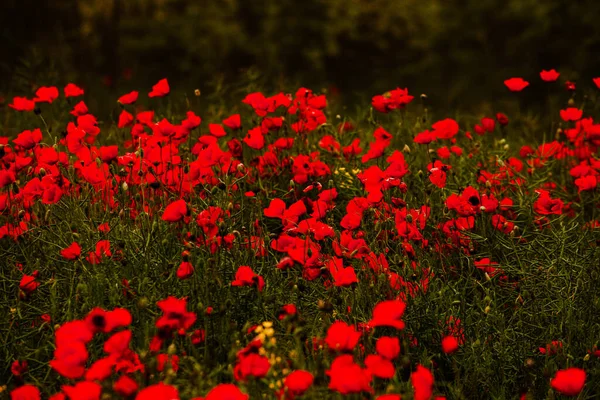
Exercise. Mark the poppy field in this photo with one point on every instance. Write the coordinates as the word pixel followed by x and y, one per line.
pixel 284 247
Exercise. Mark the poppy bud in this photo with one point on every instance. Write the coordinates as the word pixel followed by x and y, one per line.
pixel 171 349
pixel 324 306
pixel 37 111
pixel 406 149
pixel 142 302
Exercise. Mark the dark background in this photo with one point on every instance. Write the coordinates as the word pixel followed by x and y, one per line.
pixel 459 51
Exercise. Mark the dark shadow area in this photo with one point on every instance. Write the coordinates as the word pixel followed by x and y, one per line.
pixel 459 51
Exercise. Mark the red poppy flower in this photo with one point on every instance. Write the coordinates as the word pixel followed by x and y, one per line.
pixel 26 392
pixel 216 130
pixel 185 270
pixel 445 129
pixel 46 94
pixel 72 90
pixel 449 344
pixel 125 386
pixel 226 391
pixel 569 382
pixel 129 98
pixel 22 104
pixel 233 122
pixel 18 368
pixel 380 367
pixel 549 76
pixel 597 82
pixel 125 119
pixel 516 84
pixel 175 314
pixel 252 365
pixel 192 121
pixel 502 119
pixel 246 277
pixel 79 109
pixel 118 343
pixel 175 211
pixel 342 337
pixel 422 383
pixel 255 138
pixel 545 205
pixel 424 137
pixel 161 89
pixel 571 114
pixel 586 183
pixel 570 86
pixel 347 377
pixel 28 283
pixel 72 252
pixel 298 382
pixel 99 320
pixel 388 347
pixel 159 391
pixel 388 313
pixel 28 139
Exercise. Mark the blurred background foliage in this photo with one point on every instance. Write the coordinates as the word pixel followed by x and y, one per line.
pixel 458 50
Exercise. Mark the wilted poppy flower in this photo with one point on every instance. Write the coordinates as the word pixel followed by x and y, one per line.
pixel 516 84
pixel 549 76
pixel 161 89
pixel 569 382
